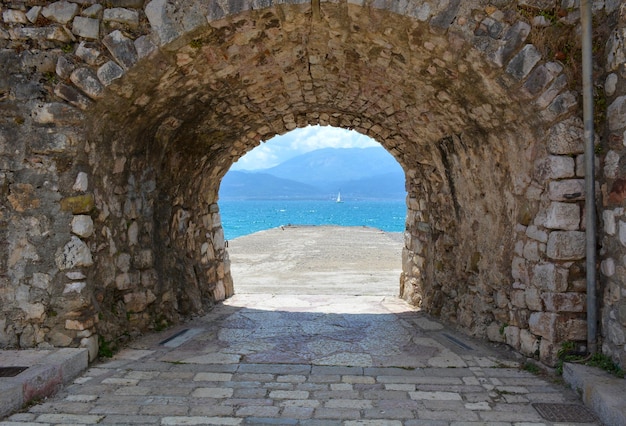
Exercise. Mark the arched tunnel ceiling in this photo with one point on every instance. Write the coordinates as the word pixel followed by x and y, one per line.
pixel 247 77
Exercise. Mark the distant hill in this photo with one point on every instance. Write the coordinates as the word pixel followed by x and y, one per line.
pixel 327 165
pixel 359 173
pixel 254 185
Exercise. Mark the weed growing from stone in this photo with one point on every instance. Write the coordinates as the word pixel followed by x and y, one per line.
pixel 531 368
pixel 598 360
pixel 104 348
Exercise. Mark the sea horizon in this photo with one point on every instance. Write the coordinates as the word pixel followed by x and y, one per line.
pixel 245 217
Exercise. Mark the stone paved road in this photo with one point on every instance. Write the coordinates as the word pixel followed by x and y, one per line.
pixel 304 360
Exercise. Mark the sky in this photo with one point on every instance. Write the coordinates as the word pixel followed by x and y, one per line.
pixel 300 141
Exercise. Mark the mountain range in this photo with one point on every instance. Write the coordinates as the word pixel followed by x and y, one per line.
pixel 358 173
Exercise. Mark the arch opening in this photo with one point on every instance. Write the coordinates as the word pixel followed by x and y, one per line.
pixel 298 189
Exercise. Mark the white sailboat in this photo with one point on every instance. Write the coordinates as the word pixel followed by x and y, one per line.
pixel 339 197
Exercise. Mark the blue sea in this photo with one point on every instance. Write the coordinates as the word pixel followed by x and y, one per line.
pixel 243 217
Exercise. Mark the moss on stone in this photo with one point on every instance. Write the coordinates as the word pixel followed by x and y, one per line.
pixel 79 204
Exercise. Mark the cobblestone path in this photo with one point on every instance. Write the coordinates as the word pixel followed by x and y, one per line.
pixel 304 360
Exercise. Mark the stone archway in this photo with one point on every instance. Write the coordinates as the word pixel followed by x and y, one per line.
pixel 451 90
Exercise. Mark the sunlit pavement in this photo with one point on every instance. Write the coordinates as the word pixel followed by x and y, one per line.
pixel 306 360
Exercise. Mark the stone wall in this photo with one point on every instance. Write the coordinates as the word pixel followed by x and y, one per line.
pixel 613 221
pixel 120 118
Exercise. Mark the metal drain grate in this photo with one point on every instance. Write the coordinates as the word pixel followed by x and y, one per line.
pixel 564 413
pixel 11 371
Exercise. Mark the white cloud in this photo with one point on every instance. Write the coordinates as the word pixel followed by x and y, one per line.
pixel 301 141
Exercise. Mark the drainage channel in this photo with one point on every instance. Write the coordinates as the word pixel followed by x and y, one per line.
pixel 181 337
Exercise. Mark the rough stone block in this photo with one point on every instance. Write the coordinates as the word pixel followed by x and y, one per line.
pixel 511 334
pixel 74 254
pixel 79 324
pixel 33 14
pixel 144 259
pixel 88 82
pixel 610 84
pixel 495 332
pixel 123 262
pixel 48 143
pixel 546 276
pixel 555 167
pixel 139 301
pixel 81 184
pixel 72 95
pixel 60 11
pixel 518 298
pixel 82 225
pixel 79 204
pixel 64 67
pixel 564 216
pixel 566 137
pixel 93 11
pixel 161 23
pixel 121 15
pixel 122 49
pixel 566 245
pixel 149 278
pixel 537 81
pixel 89 52
pixel 543 324
pixel 54 33
pixel 562 104
pixel 548 352
pixel 59 339
pixel 513 39
pixel 523 63
pixel 110 72
pixel 616 49
pixel 621 312
pixel 573 330
pixel 557 86
pixel 533 299
pixel 531 251
pixel 12 16
pixel 529 344
pixel 123 281
pixel 444 19
pixel 564 302
pixel 144 46
pixel 611 166
pixel 86 27
pixel 616 114
pixel 489 27
pixel 518 269
pixel 567 190
pixel 74 287
pixel 58 113
pixel 607 267
pixel 536 234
